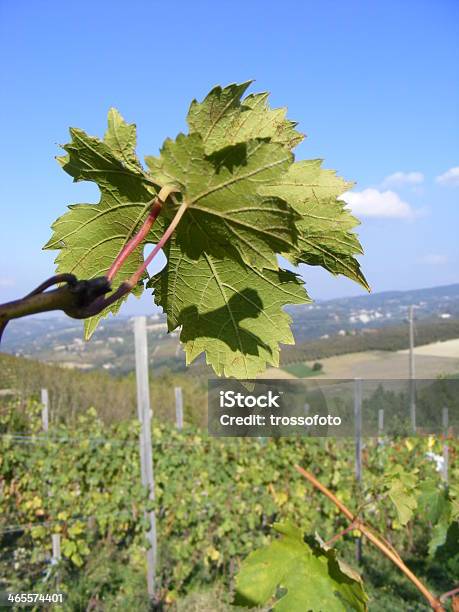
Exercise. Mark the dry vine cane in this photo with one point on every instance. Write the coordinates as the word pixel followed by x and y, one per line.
pixel 81 299
pixel 356 523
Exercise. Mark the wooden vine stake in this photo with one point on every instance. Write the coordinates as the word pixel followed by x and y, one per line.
pixel 146 451
pixel 44 409
pixel 179 407
pixel 358 451
pixel 445 423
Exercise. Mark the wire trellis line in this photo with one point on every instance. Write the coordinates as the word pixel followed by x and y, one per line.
pixel 45 439
pixel 29 526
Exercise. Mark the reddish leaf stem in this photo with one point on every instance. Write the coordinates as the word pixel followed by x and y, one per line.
pixel 156 206
pixel 136 240
pixel 368 533
pixel 165 237
pixel 83 299
pixel 342 533
pixel 451 593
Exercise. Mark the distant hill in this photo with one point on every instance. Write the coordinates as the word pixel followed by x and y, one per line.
pixel 375 310
pixel 444 295
pixel 389 338
pixel 334 325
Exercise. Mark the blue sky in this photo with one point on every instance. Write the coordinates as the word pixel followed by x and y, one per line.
pixel 374 85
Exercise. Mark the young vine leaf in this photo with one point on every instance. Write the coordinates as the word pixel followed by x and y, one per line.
pixel 439 504
pixel 324 226
pixel 239 201
pixel 225 215
pixel 223 304
pixel 402 491
pixel 90 236
pixel 222 120
pixel 306 577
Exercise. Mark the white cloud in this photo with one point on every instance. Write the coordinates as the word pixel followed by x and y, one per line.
pixel 6 282
pixel 404 178
pixel 374 203
pixel 450 177
pixel 434 259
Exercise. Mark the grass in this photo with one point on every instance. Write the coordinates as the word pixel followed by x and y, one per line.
pixel 301 370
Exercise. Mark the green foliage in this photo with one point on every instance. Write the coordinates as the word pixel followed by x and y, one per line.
pixel 324 225
pixel 90 236
pixel 442 510
pixel 312 576
pixel 245 326
pixel 300 370
pixel 226 215
pixel 216 500
pixel 214 599
pixel 246 201
pixel 401 487
pixel 113 579
pixel 222 120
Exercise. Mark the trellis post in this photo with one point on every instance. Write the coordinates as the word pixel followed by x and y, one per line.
pixel 44 400
pixel 445 423
pixel 358 449
pixel 179 407
pixel 146 450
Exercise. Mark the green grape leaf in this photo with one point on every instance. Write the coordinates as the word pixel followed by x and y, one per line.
pixel 239 201
pixel 225 213
pixel 325 236
pixel 229 310
pixel 439 536
pixel 454 497
pixel 432 500
pixel 222 119
pixel 307 578
pixel 121 137
pixel 444 540
pixel 90 236
pixel 402 491
pixel 443 512
pixel 444 544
